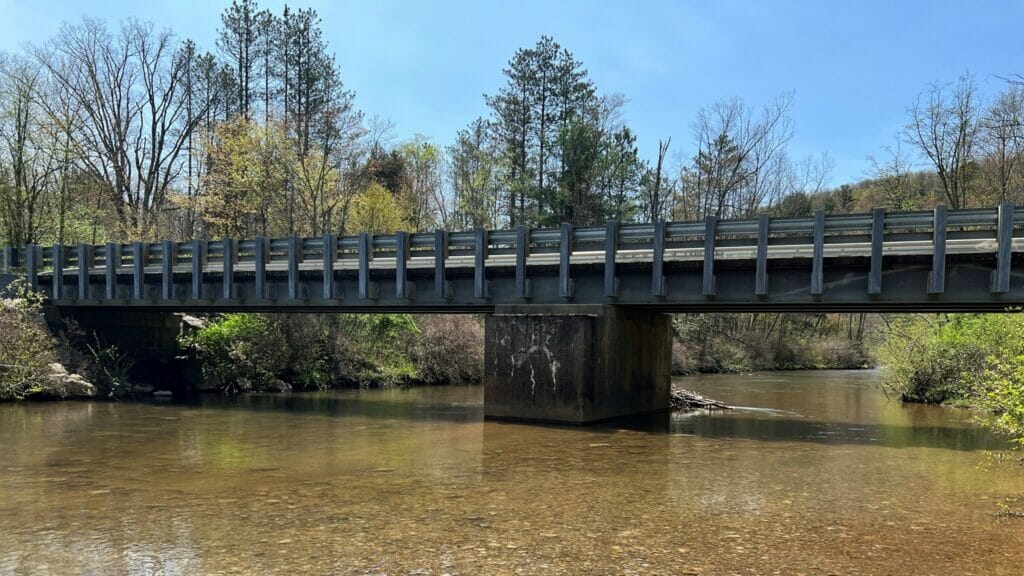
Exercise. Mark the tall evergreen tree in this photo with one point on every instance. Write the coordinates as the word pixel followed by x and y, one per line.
pixel 546 91
pixel 238 41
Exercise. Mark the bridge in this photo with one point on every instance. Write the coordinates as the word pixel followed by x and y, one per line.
pixel 575 329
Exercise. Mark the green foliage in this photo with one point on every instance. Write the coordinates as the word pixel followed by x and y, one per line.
pixel 1004 395
pixel 975 360
pixel 376 210
pixel 943 359
pixel 26 349
pixel 242 352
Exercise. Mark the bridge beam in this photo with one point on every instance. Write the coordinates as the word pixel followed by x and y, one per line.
pixel 575 364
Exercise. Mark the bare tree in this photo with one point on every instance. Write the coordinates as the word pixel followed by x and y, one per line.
pixel 735 147
pixel 944 124
pixel 1002 129
pixel 892 174
pixel 26 163
pixel 134 121
pixel 655 190
pixel 812 174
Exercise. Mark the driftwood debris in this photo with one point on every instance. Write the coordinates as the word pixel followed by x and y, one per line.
pixel 685 400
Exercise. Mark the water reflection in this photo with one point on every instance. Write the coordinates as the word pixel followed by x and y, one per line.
pixel 826 476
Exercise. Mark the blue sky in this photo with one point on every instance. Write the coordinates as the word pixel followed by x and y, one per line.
pixel 854 66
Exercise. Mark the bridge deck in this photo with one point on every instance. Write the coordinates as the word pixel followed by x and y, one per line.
pixel 851 250
pixel 929 260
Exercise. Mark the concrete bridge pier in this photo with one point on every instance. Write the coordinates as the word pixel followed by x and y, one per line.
pixel 575 364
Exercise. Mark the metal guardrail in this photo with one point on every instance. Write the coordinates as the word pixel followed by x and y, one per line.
pixel 873 235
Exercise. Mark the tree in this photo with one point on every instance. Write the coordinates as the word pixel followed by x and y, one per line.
pixel 580 148
pixel 132 124
pixel 1002 143
pixel 944 127
pixel 248 165
pixel 656 190
pixel 27 166
pixel 736 152
pixel 622 173
pixel 893 177
pixel 319 194
pixel 239 43
pixel 423 197
pixel 375 210
pixel 475 176
pixel 546 91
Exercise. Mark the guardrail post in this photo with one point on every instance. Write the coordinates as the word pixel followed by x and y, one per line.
pixel 8 262
pixel 937 277
pixel 1004 239
pixel 404 289
pixel 818 256
pixel 481 286
pixel 368 290
pixel 877 237
pixel 708 280
pixel 111 262
pixel 170 258
pixel 58 272
pixel 658 284
pixel 198 266
pixel 85 263
pixel 522 251
pixel 330 251
pixel 611 246
pixel 260 266
pixel 229 252
pixel 32 267
pixel 138 270
pixel 566 285
pixel 294 257
pixel 761 270
pixel 442 287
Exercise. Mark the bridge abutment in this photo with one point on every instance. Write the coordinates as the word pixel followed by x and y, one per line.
pixel 575 364
pixel 149 338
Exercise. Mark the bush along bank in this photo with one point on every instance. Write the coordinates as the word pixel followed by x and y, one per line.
pixel 712 343
pixel 34 363
pixel 966 360
pixel 251 352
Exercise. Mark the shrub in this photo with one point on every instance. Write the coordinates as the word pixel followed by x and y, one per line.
pixel 26 350
pixel 242 352
pixel 239 351
pixel 943 359
pixel 448 349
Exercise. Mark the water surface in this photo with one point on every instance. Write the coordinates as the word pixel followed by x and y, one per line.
pixel 821 475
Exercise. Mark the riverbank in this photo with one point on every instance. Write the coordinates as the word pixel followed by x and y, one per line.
pixel 965 360
pixel 31 363
pixel 235 353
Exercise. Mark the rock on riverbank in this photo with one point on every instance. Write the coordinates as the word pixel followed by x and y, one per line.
pixel 67 384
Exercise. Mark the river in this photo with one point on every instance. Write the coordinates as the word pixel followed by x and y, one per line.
pixel 822 475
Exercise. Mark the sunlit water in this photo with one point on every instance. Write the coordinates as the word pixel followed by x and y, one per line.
pixel 821 476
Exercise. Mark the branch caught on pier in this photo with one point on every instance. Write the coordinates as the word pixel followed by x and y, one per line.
pixel 685 400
